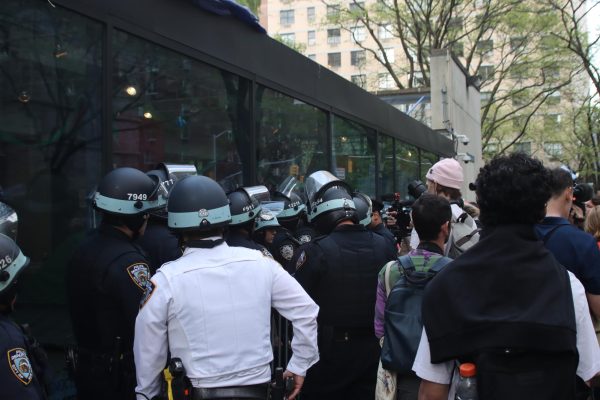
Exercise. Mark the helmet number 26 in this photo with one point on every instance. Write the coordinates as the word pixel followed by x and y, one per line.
pixel 5 262
pixel 136 196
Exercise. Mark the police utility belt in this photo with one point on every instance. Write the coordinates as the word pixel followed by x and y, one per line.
pixel 241 392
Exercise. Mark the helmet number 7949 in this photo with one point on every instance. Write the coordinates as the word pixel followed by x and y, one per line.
pixel 136 196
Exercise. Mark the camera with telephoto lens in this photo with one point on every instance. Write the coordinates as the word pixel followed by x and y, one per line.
pixel 402 228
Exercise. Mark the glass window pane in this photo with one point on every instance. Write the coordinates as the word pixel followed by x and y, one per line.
pixel 427 161
pixel 386 164
pixel 292 137
pixel 50 154
pixel 170 108
pixel 407 167
pixel 354 154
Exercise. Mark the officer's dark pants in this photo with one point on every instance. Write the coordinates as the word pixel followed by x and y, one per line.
pixel 408 386
pixel 95 382
pixel 347 369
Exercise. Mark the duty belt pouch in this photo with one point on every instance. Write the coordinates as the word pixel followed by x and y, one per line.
pixel 325 341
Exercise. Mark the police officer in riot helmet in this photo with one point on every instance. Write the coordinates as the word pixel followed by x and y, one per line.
pixel 364 208
pixel 339 271
pixel 244 205
pixel 278 240
pixel 293 214
pixel 159 243
pixel 22 369
pixel 211 307
pixel 105 282
pixel 265 228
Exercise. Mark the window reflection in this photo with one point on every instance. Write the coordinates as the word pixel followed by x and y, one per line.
pixel 427 161
pixel 50 159
pixel 354 149
pixel 386 164
pixel 170 108
pixel 407 167
pixel 291 137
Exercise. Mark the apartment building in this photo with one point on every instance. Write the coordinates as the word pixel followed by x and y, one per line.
pixel 353 53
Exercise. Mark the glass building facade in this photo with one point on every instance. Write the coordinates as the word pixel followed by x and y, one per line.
pixel 84 91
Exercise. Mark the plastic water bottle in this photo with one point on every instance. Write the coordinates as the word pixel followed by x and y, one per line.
pixel 466 389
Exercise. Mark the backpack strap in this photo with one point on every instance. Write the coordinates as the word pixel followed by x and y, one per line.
pixel 550 233
pixel 406 262
pixel 388 267
pixel 439 264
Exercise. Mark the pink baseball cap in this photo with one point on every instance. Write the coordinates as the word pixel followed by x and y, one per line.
pixel 446 172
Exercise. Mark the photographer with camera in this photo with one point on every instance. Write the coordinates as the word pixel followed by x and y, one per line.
pixel 378 226
pixel 445 179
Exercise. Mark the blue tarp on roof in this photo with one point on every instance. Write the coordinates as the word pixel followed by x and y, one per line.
pixel 231 8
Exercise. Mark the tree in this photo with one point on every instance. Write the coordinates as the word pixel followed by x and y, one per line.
pixel 505 42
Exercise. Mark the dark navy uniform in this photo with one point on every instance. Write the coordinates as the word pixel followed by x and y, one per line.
pixel 339 271
pixel 235 238
pixel 19 376
pixel 105 284
pixel 304 233
pixel 384 232
pixel 159 243
pixel 283 247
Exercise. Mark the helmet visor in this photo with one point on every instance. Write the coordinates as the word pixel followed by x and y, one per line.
pixel 9 221
pixel 317 181
pixel 260 193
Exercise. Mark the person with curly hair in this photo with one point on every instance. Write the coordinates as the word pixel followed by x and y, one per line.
pixel 506 301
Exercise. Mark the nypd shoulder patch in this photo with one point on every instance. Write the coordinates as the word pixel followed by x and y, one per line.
pixel 266 253
pixel 19 365
pixel 301 260
pixel 287 251
pixel 139 274
pixel 149 291
pixel 304 238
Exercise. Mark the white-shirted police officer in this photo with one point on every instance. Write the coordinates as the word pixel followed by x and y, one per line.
pixel 211 308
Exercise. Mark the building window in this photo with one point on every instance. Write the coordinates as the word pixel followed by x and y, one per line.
pixel 312 57
pixel 485 46
pixel 554 98
pixel 523 147
pixel 310 15
pixel 334 59
pixel 517 42
pixel 389 53
pixel 551 121
pixel 486 72
pixel 288 38
pixel 357 58
pixel 418 80
pixel 455 23
pixel 286 17
pixel 333 36
pixel 357 6
pixel 518 71
pixel 312 38
pixel 385 81
pixel 551 73
pixel 458 49
pixel 486 97
pixel 491 148
pixel 359 80
pixel 333 10
pixel 553 149
pixel 386 31
pixel 358 33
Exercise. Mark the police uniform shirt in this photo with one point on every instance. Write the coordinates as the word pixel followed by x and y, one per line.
pixel 18 379
pixel 283 247
pixel 105 282
pixel 212 309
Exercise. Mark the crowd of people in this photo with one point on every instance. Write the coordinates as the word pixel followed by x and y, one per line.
pixel 182 280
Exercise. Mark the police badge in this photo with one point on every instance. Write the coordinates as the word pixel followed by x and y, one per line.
pixel 304 239
pixel 139 274
pixel 287 251
pixel 20 365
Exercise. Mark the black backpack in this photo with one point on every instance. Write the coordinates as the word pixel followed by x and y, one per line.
pixel 403 324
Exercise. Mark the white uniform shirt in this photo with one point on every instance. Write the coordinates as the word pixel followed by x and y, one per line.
pixel 587 346
pixel 456 212
pixel 212 309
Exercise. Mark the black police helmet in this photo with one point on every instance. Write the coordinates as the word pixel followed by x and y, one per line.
pixel 334 206
pixel 197 203
pixel 364 208
pixel 293 206
pixel 243 207
pixel 128 191
pixel 12 262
